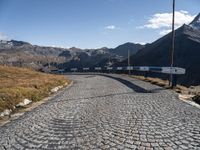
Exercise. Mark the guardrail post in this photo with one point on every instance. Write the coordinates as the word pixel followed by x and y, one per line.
pixel 145 74
pixel 174 81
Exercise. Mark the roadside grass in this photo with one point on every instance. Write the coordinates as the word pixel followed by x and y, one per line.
pixel 192 90
pixel 16 84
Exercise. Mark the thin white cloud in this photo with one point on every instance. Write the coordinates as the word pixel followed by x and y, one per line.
pixel 163 21
pixel 3 36
pixel 111 27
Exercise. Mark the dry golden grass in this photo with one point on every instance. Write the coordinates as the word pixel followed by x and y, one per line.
pixel 165 83
pixel 156 81
pixel 19 83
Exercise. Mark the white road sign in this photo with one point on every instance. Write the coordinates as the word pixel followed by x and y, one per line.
pixel 173 70
pixel 97 68
pixel 86 68
pixel 119 68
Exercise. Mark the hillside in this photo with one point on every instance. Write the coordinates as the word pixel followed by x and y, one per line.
pixel 122 50
pixel 17 84
pixel 186 55
pixel 23 54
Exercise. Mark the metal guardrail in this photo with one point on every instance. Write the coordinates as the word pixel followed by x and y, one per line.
pixel 166 70
pixel 174 71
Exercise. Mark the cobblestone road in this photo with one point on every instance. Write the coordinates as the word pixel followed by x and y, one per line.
pixel 100 112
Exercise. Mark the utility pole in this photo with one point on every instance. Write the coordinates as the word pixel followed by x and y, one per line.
pixel 109 64
pixel 173 45
pixel 129 71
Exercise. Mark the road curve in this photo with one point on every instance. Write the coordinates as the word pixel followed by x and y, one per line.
pixel 106 112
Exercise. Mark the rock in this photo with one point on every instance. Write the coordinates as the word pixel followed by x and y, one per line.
pixel 192 87
pixel 66 84
pixel 185 96
pixel 6 112
pixel 24 103
pixel 56 89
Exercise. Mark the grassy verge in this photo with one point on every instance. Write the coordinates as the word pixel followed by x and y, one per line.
pixel 16 84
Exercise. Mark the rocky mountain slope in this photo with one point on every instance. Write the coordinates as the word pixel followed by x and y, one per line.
pixel 102 57
pixel 122 50
pixel 19 53
pixel 196 22
pixel 186 54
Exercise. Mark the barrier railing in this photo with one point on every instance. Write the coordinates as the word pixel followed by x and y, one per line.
pixel 166 70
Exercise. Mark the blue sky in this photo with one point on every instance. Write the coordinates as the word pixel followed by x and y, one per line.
pixel 90 23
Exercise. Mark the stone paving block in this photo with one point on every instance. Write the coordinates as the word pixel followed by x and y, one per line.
pixel 100 112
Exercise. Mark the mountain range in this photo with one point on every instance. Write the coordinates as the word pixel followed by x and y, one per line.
pixel 186 54
pixel 19 53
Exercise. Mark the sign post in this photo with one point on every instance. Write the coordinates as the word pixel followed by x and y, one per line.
pixel 129 71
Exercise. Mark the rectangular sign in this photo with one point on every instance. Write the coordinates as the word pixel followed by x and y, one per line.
pixel 109 68
pixel 86 68
pixel 119 68
pixel 129 68
pixel 173 70
pixel 74 69
pixel 144 68
pixel 97 68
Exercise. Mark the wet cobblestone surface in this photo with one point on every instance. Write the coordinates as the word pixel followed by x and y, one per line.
pixel 100 112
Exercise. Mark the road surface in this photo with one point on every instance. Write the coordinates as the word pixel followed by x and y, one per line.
pixel 106 112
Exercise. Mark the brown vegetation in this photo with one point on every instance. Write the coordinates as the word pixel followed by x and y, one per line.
pixel 17 84
pixel 192 90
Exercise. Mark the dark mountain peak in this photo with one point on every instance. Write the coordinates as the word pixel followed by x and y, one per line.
pixel 129 45
pixel 191 32
pixel 75 49
pixel 12 44
pixel 104 48
pixel 196 19
pixel 18 43
pixel 123 49
pixel 185 30
pixel 196 22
